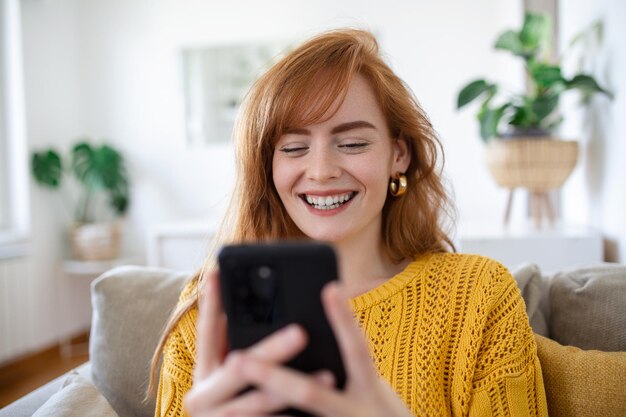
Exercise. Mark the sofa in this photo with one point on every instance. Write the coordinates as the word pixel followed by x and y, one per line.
pixel 578 315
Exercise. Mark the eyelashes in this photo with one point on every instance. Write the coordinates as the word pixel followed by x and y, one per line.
pixel 354 147
pixel 295 151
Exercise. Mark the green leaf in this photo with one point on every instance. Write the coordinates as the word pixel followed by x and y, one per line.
pixel 473 90
pixel 47 168
pixel 489 120
pixel 586 84
pixel 102 168
pixel 83 165
pixel 120 201
pixel 543 106
pixel 545 75
pixel 510 41
pixel 522 117
pixel 535 33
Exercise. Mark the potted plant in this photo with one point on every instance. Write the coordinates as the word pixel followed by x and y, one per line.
pixel 518 128
pixel 101 177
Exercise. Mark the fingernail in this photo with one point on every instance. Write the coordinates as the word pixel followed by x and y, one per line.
pixel 293 332
pixel 326 378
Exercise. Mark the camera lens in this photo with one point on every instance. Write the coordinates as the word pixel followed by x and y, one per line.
pixel 264 272
pixel 263 283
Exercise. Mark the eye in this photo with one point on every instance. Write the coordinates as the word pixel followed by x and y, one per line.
pixel 354 147
pixel 294 150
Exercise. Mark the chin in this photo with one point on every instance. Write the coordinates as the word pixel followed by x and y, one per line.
pixel 328 236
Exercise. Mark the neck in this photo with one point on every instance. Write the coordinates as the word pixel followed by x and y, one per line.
pixel 364 265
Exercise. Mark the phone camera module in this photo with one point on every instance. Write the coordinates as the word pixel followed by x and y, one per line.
pixel 253 291
pixel 263 283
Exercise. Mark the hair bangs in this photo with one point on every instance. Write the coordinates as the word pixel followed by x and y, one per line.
pixel 310 85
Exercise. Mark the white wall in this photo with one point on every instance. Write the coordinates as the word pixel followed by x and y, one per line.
pixel 51 83
pixel 110 69
pixel 131 84
pixel 596 193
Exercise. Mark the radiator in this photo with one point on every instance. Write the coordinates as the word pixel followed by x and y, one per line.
pixel 16 309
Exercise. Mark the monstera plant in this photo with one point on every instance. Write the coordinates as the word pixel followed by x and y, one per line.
pixel 101 178
pixel 531 113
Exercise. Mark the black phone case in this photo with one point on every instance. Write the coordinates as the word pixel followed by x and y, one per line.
pixel 264 287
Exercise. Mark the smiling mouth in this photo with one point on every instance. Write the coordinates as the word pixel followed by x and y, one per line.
pixel 328 202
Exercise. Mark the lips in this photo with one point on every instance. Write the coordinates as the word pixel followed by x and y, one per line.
pixel 327 202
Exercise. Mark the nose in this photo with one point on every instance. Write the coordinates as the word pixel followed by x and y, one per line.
pixel 322 165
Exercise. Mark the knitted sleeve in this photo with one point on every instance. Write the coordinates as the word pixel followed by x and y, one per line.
pixel 176 374
pixel 507 378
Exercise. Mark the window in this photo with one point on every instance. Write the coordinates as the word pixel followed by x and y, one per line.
pixel 14 212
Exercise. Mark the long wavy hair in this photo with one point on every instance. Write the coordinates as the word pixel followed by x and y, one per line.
pixel 301 90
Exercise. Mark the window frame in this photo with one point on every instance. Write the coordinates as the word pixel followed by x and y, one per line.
pixel 15 227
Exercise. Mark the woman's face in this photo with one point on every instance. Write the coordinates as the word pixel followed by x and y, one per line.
pixel 332 177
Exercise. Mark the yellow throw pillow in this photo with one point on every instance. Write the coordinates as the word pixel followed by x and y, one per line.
pixel 582 382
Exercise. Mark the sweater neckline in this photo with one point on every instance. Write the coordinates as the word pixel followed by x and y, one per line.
pixel 392 286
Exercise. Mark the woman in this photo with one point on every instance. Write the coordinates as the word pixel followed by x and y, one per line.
pixel 332 146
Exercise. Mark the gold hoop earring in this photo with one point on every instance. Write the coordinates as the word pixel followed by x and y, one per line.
pixel 398 186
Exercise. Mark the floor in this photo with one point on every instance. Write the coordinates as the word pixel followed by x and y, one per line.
pixel 23 376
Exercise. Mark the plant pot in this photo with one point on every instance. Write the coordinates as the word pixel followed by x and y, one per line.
pixel 537 164
pixel 95 241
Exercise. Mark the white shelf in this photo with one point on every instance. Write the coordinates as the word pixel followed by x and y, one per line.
pixel 78 267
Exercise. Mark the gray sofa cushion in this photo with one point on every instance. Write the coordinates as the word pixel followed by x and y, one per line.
pixel 588 307
pixel 130 308
pixel 533 287
pixel 77 398
pixel 28 404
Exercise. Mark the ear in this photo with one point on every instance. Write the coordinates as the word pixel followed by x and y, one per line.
pixel 401 155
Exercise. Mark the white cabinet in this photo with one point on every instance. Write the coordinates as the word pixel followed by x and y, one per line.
pixel 185 245
pixel 551 249
pixel 182 245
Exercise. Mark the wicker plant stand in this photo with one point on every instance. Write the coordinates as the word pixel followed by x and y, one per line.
pixel 536 164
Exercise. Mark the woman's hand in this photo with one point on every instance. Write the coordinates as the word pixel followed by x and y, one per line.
pixel 217 383
pixel 218 380
pixel 365 394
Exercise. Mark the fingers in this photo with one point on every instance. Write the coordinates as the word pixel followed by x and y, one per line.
pixel 352 343
pixel 281 346
pixel 228 380
pixel 297 389
pixel 324 378
pixel 253 403
pixel 211 331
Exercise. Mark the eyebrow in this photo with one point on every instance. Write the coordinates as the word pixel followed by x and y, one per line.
pixel 344 127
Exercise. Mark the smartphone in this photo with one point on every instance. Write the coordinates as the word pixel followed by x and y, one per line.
pixel 265 287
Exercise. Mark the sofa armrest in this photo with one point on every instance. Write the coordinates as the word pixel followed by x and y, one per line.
pixel 28 404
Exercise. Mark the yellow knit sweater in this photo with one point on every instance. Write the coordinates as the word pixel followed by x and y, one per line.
pixel 449 333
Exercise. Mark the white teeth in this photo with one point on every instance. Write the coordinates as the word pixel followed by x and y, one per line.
pixel 328 202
